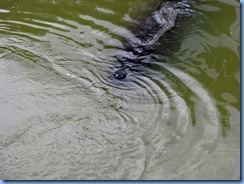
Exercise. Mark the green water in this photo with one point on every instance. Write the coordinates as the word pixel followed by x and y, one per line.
pixel 175 117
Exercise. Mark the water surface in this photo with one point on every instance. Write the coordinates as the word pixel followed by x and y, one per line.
pixel 175 117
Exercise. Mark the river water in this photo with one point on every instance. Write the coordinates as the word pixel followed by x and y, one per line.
pixel 175 117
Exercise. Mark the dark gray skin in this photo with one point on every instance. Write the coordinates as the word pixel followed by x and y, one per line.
pixel 161 21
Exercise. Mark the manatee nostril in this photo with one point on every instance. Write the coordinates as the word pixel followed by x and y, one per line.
pixel 119 74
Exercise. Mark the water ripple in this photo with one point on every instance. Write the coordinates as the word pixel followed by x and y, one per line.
pixel 160 123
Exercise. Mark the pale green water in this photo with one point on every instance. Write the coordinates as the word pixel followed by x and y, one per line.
pixel 61 117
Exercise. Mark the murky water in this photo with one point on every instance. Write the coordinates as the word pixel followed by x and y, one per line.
pixel 176 115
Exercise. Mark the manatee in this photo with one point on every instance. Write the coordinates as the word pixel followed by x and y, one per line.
pixel 155 26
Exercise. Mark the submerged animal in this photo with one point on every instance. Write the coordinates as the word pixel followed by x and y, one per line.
pixel 161 21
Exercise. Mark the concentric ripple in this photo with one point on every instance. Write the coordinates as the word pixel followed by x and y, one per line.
pixel 64 117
